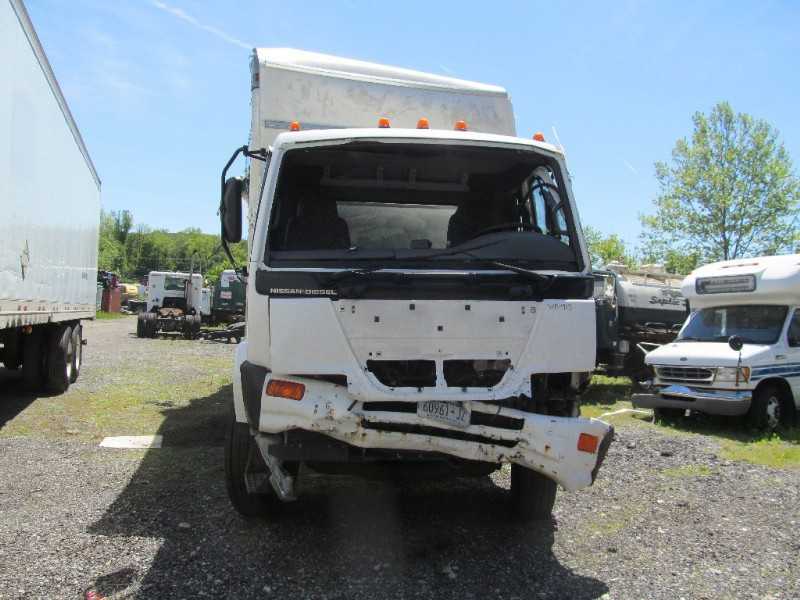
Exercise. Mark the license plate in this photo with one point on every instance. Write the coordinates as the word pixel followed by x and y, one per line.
pixel 452 413
pixel 226 295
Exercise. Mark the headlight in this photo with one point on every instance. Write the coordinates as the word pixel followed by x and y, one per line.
pixel 733 374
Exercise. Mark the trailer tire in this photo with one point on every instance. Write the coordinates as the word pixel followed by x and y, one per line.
pixel 532 494
pixel 60 354
pixel 77 355
pixel 241 454
pixel 33 359
pixel 11 357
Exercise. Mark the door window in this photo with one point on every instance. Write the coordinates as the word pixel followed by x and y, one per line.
pixel 793 335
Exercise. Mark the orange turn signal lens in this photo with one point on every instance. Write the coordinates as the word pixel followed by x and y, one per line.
pixel 461 126
pixel 286 389
pixel 538 136
pixel 294 126
pixel 423 124
pixel 588 443
pixel 384 123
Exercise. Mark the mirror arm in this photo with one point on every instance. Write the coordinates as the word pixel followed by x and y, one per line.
pixel 260 154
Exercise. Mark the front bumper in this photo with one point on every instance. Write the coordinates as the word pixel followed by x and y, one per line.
pixel 497 434
pixel 714 402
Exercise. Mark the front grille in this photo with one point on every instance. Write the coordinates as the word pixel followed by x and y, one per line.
pixel 404 373
pixel 685 374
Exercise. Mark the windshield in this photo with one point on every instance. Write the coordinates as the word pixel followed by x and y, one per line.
pixel 754 324
pixel 174 283
pixel 397 203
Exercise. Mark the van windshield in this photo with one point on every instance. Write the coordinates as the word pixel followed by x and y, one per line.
pixel 754 324
pixel 397 202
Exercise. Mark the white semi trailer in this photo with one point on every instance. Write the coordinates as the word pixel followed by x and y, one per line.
pixel 418 286
pixel 50 207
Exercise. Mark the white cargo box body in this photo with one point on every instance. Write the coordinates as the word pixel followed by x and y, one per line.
pixel 328 92
pixel 49 190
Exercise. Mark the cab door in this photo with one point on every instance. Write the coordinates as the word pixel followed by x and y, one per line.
pixel 793 355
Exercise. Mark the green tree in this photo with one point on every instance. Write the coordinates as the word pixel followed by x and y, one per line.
pixel 729 192
pixel 604 249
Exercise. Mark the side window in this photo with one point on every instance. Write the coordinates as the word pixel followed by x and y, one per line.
pixel 793 336
pixel 547 211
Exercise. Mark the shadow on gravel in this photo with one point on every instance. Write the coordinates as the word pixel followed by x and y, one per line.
pixel 345 538
pixel 14 398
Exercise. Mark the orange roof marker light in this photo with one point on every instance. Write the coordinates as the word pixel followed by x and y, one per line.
pixel 384 123
pixel 294 126
pixel 423 124
pixel 461 126
pixel 538 136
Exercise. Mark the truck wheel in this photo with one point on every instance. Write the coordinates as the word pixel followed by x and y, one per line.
pixel 242 456
pixel 187 327
pixel 33 359
pixel 77 355
pixel 140 322
pixel 532 494
pixel 11 356
pixel 60 353
pixel 151 326
pixel 768 409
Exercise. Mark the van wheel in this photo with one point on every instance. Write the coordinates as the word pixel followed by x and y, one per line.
pixel 242 456
pixel 33 359
pixel 768 410
pixel 77 355
pixel 532 494
pixel 60 354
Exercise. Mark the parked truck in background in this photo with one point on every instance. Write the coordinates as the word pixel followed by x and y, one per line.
pixel 637 311
pixel 50 198
pixel 176 303
pixel 418 286
pixel 228 298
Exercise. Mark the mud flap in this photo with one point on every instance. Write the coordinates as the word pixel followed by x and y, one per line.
pixel 603 450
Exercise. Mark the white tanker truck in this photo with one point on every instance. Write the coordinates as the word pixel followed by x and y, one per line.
pixel 637 311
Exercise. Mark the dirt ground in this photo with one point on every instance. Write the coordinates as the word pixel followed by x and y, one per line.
pixel 690 511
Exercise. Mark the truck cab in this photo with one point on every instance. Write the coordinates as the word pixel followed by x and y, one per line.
pixel 738 353
pixel 176 302
pixel 414 294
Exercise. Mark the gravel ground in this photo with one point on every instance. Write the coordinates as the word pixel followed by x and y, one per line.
pixel 666 519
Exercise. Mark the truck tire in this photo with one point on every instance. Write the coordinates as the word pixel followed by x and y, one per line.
pixel 140 322
pixel 60 353
pixel 241 455
pixel 11 356
pixel 532 494
pixel 33 359
pixel 188 327
pixel 769 409
pixel 77 356
pixel 150 325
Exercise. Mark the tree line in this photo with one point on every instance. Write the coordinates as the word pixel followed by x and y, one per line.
pixel 133 253
pixel 729 192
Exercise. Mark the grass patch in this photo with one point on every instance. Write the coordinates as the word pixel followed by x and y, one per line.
pixel 776 451
pixel 146 401
pixel 688 471
pixel 110 316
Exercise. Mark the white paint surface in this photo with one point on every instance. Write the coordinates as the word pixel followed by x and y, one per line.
pixel 133 441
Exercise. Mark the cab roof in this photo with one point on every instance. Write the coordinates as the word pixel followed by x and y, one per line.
pixel 312 136
pixel 758 280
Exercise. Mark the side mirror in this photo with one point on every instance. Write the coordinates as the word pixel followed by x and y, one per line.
pixel 736 343
pixel 230 210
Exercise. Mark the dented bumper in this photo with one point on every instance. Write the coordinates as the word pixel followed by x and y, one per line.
pixel 498 434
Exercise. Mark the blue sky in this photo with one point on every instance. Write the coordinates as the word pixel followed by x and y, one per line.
pixel 160 89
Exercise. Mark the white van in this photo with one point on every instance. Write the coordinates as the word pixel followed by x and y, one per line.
pixel 739 351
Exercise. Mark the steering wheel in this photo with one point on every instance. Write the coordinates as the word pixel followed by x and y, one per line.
pixel 509 225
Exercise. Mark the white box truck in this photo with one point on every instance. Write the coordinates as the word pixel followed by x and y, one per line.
pixel 50 201
pixel 418 286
